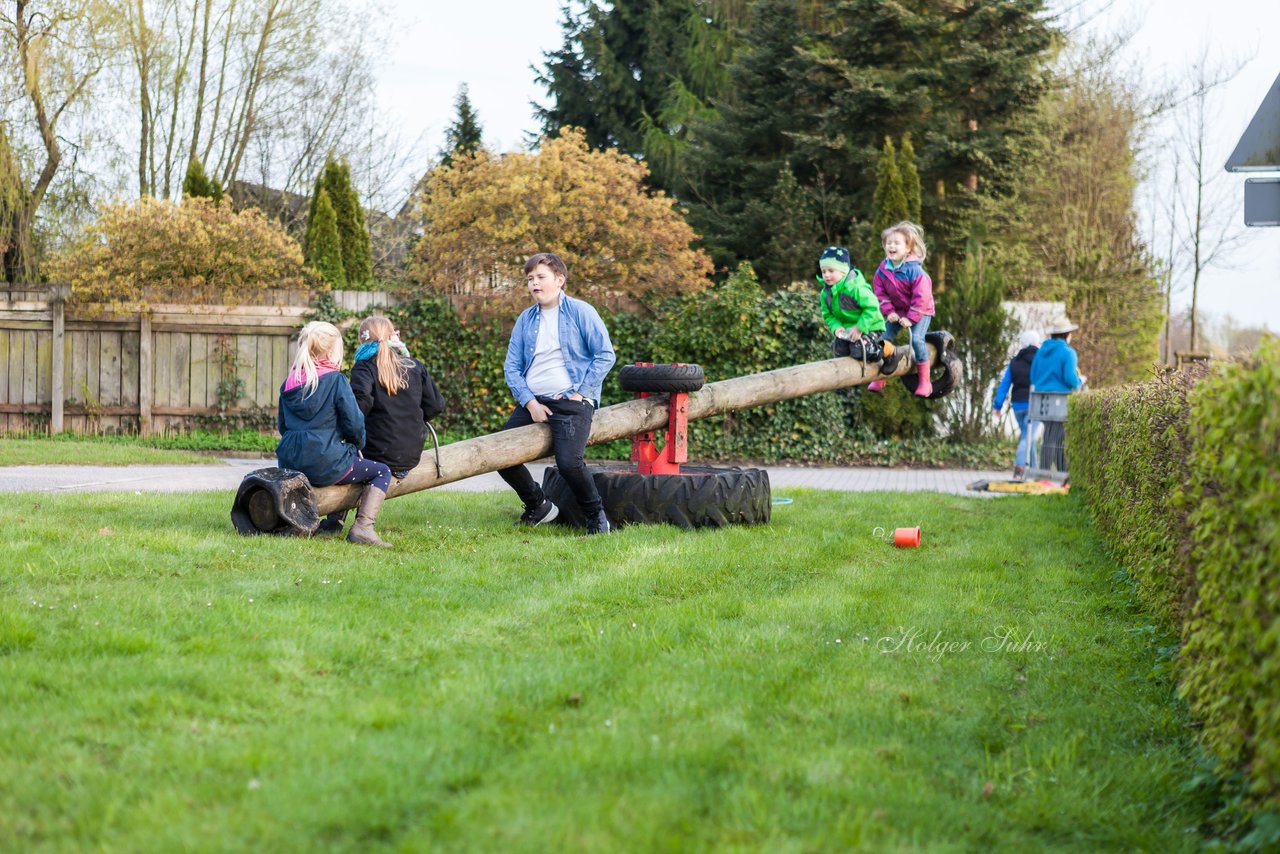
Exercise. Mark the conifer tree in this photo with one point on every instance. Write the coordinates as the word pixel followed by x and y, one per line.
pixel 324 247
pixel 889 204
pixel 634 74
pixel 738 153
pixel 910 178
pixel 353 235
pixel 198 183
pixel 464 136
pixel 791 254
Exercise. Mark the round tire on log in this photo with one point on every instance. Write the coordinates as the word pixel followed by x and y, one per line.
pixel 944 376
pixel 668 378
pixel 698 497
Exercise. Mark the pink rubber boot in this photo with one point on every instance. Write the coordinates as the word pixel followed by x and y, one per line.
pixel 924 388
pixel 877 386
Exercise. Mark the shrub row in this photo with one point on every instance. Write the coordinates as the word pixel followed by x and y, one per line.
pixel 1181 474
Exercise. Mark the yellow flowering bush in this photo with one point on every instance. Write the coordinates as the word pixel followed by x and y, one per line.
pixel 199 251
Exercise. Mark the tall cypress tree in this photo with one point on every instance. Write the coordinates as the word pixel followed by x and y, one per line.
pixel 889 204
pixel 354 243
pixel 464 136
pixel 910 178
pixel 324 246
pixel 197 183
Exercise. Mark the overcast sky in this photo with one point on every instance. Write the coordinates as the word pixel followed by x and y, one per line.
pixel 493 45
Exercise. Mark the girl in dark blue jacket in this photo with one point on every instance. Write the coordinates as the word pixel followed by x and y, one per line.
pixel 322 428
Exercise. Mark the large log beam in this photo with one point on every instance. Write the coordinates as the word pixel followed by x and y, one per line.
pixel 495 451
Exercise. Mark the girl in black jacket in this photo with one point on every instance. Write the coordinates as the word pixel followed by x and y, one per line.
pixel 397 396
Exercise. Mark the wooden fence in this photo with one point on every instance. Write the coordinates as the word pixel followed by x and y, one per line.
pixel 168 368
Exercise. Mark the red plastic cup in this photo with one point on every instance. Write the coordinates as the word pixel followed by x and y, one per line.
pixel 906 538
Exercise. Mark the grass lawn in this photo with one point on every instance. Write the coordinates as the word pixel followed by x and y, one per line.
pixel 122 450
pixel 801 686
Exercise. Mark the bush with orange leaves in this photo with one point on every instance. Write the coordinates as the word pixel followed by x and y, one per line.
pixel 485 215
pixel 197 251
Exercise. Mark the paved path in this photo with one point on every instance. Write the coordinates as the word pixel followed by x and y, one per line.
pixel 228 474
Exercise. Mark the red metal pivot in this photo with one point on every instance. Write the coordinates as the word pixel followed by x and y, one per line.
pixel 675 446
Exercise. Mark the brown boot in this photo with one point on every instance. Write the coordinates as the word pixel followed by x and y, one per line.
pixel 366 511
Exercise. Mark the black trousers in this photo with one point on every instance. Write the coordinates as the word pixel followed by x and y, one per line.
pixel 570 423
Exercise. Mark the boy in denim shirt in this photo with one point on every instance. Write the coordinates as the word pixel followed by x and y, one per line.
pixel 556 363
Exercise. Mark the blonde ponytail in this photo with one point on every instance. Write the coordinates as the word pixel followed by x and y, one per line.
pixel 317 340
pixel 393 369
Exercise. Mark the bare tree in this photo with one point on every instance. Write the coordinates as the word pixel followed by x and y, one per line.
pixel 1205 208
pixel 52 51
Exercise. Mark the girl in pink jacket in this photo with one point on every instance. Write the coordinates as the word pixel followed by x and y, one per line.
pixel 905 292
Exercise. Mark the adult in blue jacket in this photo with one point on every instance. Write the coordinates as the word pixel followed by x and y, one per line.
pixel 557 359
pixel 1056 369
pixel 1056 365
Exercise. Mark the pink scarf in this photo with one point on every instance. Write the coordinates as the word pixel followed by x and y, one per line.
pixel 297 378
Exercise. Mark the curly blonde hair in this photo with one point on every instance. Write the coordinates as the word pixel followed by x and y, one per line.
pixel 911 233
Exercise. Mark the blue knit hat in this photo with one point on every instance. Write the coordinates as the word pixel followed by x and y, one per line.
pixel 836 257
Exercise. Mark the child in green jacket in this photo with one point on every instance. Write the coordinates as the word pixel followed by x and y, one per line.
pixel 849 307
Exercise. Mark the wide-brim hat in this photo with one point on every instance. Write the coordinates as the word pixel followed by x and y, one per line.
pixel 1061 326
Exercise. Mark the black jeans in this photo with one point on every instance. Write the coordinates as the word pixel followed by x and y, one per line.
pixel 570 427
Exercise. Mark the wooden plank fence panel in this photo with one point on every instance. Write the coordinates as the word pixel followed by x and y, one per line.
pixel 282 360
pixel 4 360
pixel 246 353
pixel 265 372
pixel 29 366
pixel 200 369
pixel 44 366
pixel 129 368
pixel 93 369
pixel 180 394
pixel 161 382
pixel 110 382
pixel 109 369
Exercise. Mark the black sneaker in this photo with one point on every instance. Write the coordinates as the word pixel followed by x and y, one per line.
pixel 599 524
pixel 539 513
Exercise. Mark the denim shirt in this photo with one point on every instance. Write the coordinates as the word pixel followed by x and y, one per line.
pixel 584 343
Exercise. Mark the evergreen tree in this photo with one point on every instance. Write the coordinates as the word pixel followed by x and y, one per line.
pixel 791 254
pixel 312 209
pixel 889 203
pixel 354 243
pixel 324 246
pixel 910 178
pixel 464 136
pixel 965 77
pixel 974 313
pixel 634 74
pixel 738 153
pixel 198 184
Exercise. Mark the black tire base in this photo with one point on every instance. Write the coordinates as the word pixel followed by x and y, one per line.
pixel 698 497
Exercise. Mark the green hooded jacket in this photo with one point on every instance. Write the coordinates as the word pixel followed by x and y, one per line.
pixel 850 302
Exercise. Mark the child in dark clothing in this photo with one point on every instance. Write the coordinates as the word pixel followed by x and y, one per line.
pixel 322 428
pixel 397 396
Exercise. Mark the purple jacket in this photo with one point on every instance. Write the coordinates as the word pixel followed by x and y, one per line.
pixel 906 291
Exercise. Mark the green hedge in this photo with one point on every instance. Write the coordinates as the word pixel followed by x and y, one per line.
pixel 1182 477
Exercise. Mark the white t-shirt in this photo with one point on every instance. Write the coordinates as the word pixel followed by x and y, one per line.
pixel 547 375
